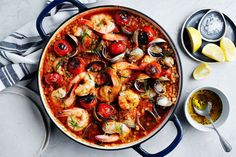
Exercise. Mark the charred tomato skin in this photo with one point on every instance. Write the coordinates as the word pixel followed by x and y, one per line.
pixel 62 47
pixel 153 70
pixel 117 47
pixel 132 25
pixel 105 110
pixel 88 102
pixel 53 78
pixel 76 65
pixel 122 18
pixel 150 32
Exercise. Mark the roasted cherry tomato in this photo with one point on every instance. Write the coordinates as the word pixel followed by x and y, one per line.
pixel 88 102
pixel 132 25
pixel 76 65
pixel 53 78
pixel 117 47
pixel 122 18
pixel 166 72
pixel 104 110
pixel 153 70
pixel 150 32
pixel 62 47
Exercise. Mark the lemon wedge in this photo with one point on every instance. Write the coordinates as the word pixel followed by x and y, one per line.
pixel 228 48
pixel 202 71
pixel 213 51
pixel 195 38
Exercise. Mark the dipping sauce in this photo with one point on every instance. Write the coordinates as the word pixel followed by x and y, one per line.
pixel 199 99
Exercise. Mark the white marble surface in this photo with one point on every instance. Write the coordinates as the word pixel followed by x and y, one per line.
pixel 171 15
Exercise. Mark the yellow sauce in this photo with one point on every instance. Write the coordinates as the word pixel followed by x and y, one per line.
pixel 199 99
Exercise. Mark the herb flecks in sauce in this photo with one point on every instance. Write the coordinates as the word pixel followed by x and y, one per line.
pixel 199 99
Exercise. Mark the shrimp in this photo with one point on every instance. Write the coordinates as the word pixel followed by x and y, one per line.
pixel 113 128
pixel 110 93
pixel 77 118
pixel 101 23
pixel 124 65
pixel 58 94
pixel 128 99
pixel 114 37
pixel 83 84
pixel 125 75
pixel 107 138
pixel 87 86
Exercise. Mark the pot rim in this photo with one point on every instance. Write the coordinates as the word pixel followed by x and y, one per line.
pixel 120 146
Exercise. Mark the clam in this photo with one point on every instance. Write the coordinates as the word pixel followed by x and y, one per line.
pixel 158 87
pixel 135 38
pixel 136 55
pixel 130 123
pixel 169 61
pixel 96 66
pixel 115 59
pixel 163 101
pixel 73 41
pixel 125 31
pixel 141 83
pixel 155 48
pixel 163 78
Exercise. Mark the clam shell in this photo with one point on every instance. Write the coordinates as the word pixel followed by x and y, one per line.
pixel 114 59
pixel 163 101
pixel 154 49
pixel 73 41
pixel 136 55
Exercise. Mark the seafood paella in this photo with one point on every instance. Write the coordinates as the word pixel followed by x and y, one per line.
pixel 110 77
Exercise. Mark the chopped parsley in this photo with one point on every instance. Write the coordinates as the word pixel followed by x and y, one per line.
pixel 73 123
pixel 84 35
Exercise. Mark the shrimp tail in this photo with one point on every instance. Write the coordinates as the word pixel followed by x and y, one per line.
pixel 107 138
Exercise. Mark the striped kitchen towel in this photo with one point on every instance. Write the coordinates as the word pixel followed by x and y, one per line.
pixel 20 52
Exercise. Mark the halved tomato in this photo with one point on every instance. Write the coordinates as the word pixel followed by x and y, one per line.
pixel 105 110
pixel 153 70
pixel 117 47
pixel 53 78
pixel 88 102
pixel 76 65
pixel 62 47
pixel 150 32
pixel 122 18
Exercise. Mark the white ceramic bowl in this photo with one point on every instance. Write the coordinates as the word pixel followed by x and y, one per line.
pixel 223 117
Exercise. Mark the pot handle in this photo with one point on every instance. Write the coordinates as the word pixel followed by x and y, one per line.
pixel 167 150
pixel 49 7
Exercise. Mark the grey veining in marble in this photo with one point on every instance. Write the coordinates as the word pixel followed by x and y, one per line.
pixel 170 14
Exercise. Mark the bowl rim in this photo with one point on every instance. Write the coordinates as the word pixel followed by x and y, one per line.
pixel 207 128
pixel 224 29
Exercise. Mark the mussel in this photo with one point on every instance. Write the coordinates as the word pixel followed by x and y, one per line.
pixel 115 59
pixel 155 48
pixel 96 66
pixel 73 41
pixel 164 101
pixel 136 55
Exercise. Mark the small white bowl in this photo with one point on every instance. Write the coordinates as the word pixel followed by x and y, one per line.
pixel 220 121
